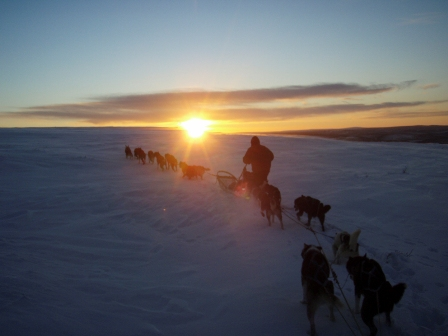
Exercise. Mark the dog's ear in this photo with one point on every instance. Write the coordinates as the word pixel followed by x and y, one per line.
pixel 319 247
pixel 305 247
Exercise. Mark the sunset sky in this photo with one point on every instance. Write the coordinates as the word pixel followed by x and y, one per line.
pixel 245 65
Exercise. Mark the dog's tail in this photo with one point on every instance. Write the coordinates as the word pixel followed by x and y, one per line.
pixel 354 240
pixel 326 208
pixel 397 292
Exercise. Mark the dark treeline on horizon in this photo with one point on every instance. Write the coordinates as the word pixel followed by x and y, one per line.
pixel 417 134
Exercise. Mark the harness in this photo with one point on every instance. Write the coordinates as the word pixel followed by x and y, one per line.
pixel 310 202
pixel 321 268
pixel 375 278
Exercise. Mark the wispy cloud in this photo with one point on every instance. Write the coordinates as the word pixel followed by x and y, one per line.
pixel 183 98
pixel 276 114
pixel 422 18
pixel 267 104
pixel 430 86
pixel 408 114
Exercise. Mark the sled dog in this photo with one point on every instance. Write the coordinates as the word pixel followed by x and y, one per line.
pixel 379 295
pixel 312 207
pixel 140 155
pixel 171 161
pixel 183 166
pixel 128 152
pixel 200 170
pixel 161 162
pixel 192 171
pixel 151 156
pixel 270 201
pixel 317 289
pixel 345 245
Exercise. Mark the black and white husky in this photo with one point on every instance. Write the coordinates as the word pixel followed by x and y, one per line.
pixel 379 295
pixel 317 289
pixel 345 245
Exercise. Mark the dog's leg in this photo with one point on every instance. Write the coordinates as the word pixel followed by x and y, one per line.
pixel 268 216
pixel 340 253
pixel 367 317
pixel 322 220
pixel 304 297
pixel 357 299
pixel 310 312
pixel 336 256
pixel 330 292
pixel 334 248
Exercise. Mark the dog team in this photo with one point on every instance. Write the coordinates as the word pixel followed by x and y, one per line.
pixel 166 162
pixel 368 277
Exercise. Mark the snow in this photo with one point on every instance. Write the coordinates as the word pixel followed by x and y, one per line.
pixel 94 244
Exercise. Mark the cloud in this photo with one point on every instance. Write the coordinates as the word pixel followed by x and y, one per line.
pixel 409 114
pixel 422 18
pixel 247 105
pixel 276 114
pixel 241 114
pixel 95 114
pixel 430 86
pixel 187 98
pixel 405 85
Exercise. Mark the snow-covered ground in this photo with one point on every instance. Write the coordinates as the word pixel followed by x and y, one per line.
pixel 94 244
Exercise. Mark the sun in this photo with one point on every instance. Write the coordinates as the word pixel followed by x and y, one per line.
pixel 195 127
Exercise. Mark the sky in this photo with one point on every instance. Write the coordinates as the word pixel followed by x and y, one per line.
pixel 244 65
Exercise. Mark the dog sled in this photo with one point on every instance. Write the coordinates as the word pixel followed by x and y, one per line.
pixel 232 185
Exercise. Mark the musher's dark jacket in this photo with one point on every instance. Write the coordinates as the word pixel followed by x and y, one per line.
pixel 260 157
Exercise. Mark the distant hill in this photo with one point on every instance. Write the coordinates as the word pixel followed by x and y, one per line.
pixel 417 134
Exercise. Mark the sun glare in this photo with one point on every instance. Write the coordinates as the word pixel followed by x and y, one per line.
pixel 195 127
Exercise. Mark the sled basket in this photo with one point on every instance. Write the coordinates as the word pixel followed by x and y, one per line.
pixel 226 181
pixel 229 183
